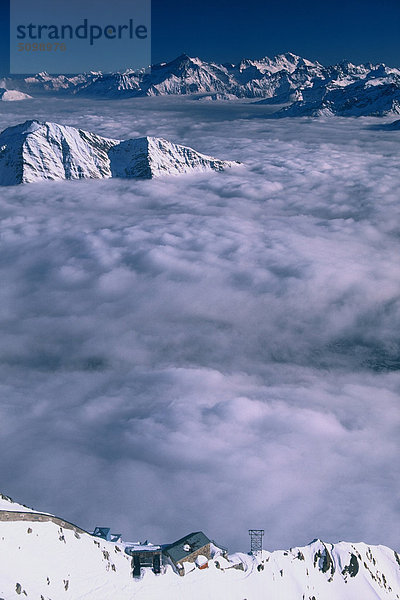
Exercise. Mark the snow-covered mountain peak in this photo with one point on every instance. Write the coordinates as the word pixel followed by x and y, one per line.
pixel 288 58
pixel 186 61
pixel 148 157
pixel 283 79
pixel 12 95
pixel 37 150
pixel 43 150
pixel 34 126
pixel 287 62
pixel 23 129
pixel 192 59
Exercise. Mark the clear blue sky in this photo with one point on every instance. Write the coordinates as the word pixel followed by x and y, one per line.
pixel 226 30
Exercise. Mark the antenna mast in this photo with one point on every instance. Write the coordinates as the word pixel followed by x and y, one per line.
pixel 256 540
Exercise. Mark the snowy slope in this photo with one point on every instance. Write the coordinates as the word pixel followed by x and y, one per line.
pixel 8 504
pixel 109 85
pixel 43 560
pixel 33 151
pixel 153 157
pixel 366 98
pixel 12 95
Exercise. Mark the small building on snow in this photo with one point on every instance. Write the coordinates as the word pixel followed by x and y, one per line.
pixel 105 534
pixel 145 555
pixel 188 549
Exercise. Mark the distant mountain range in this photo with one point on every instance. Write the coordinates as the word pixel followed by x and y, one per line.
pixel 306 88
pixel 34 151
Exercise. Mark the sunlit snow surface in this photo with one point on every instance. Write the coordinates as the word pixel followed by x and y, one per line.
pixel 43 560
pixel 213 352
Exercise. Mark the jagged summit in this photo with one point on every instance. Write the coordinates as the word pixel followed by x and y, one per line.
pixel 152 157
pixel 186 58
pixel 35 150
pixel 376 98
pixel 288 62
pixel 286 78
pixel 12 95
pixel 23 129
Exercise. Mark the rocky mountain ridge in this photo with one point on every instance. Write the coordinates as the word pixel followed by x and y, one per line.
pixel 307 87
pixel 34 151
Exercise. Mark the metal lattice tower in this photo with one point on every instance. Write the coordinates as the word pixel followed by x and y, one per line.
pixel 256 537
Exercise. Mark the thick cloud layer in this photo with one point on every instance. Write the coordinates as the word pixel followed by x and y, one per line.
pixel 217 351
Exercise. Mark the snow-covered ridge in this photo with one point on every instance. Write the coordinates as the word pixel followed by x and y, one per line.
pixel 43 559
pixel 34 151
pixel 308 86
pixel 12 95
pixel 49 560
pixel 8 504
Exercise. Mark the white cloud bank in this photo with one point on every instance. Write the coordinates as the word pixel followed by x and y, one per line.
pixel 212 352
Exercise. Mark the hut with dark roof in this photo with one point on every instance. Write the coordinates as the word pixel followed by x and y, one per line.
pixel 187 549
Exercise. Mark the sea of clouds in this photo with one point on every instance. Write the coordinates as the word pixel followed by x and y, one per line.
pixel 214 351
